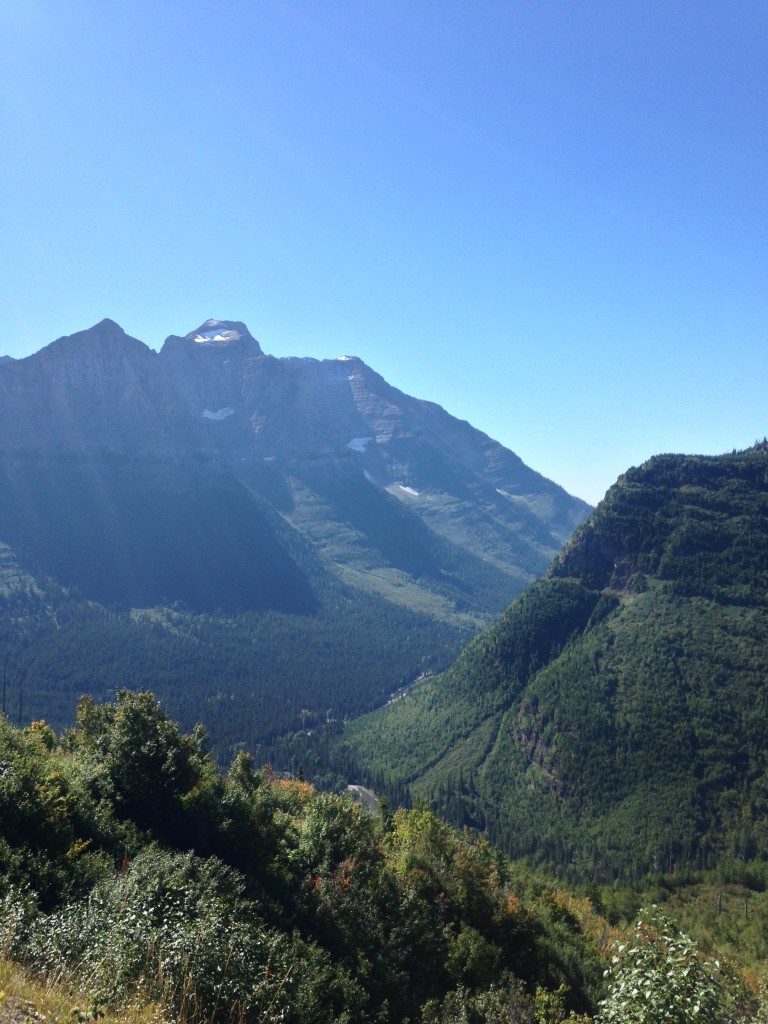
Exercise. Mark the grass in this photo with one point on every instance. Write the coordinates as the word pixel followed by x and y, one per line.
pixel 60 1002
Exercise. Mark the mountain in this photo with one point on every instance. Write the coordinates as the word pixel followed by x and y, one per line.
pixel 400 497
pixel 612 722
pixel 212 446
pixel 354 535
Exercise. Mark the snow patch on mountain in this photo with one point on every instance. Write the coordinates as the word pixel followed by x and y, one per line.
pixel 216 335
pixel 220 414
pixel 359 444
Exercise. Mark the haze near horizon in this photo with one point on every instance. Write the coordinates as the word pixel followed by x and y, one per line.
pixel 550 218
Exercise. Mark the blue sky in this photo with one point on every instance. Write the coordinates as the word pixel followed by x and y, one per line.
pixel 549 216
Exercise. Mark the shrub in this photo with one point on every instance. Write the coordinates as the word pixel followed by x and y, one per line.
pixel 660 977
pixel 170 927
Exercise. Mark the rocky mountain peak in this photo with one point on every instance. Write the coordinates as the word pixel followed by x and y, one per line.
pixel 91 357
pixel 224 333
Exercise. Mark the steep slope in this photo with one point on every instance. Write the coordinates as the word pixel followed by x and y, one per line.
pixel 612 721
pixel 396 495
pixel 200 473
pixel 108 485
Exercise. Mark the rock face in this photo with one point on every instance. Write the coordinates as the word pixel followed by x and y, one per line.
pixel 389 492
pixel 96 391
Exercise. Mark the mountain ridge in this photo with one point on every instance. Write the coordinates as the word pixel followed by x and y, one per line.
pixel 610 723
pixel 284 428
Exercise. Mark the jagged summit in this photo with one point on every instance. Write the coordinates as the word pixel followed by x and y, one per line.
pixel 106 326
pixel 104 330
pixel 93 342
pixel 103 349
pixel 221 332
pixel 225 337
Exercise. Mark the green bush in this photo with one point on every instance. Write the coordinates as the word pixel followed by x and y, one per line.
pixel 170 927
pixel 661 977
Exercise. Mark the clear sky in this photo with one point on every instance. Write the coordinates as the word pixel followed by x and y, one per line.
pixel 549 216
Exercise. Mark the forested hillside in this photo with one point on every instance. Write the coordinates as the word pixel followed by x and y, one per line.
pixel 259 680
pixel 613 721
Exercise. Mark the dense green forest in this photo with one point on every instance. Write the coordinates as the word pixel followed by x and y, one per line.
pixel 261 680
pixel 612 722
pixel 133 872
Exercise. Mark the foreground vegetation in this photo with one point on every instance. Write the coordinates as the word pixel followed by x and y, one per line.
pixel 135 878
pixel 129 863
